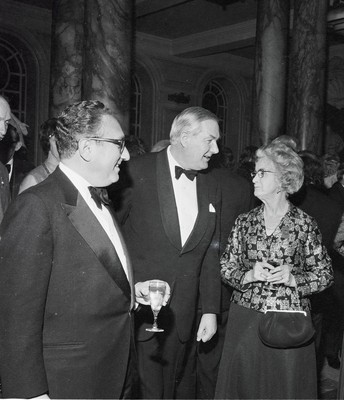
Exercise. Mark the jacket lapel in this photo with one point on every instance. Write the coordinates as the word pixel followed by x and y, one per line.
pixel 86 223
pixel 168 207
pixel 129 266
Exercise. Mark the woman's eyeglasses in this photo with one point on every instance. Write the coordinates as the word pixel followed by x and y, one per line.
pixel 261 172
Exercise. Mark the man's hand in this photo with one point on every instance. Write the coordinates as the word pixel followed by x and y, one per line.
pixel 207 327
pixel 142 293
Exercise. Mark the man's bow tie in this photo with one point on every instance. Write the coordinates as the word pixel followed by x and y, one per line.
pixel 8 167
pixel 100 196
pixel 189 173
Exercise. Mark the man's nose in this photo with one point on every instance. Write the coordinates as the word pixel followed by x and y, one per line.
pixel 125 155
pixel 214 147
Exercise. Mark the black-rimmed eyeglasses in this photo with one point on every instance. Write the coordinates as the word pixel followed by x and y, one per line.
pixel 118 142
pixel 261 172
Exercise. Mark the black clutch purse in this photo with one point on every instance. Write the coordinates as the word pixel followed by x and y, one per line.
pixel 285 329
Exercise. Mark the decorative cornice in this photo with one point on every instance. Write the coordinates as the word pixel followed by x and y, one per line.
pixel 221 39
pixel 203 43
pixel 149 42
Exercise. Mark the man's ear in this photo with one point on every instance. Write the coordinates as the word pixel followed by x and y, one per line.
pixel 184 139
pixel 85 149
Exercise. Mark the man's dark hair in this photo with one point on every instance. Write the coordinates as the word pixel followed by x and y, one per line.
pixel 77 121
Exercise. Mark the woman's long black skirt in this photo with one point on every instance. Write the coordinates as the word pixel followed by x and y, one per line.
pixel 251 370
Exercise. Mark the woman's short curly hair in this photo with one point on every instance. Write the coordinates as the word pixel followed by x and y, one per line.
pixel 287 162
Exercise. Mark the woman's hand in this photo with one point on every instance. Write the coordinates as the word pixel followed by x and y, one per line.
pixel 281 275
pixel 260 272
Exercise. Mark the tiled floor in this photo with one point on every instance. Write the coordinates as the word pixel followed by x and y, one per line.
pixel 329 382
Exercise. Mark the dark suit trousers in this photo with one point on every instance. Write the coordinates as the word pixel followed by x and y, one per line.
pixel 131 383
pixel 167 367
pixel 208 359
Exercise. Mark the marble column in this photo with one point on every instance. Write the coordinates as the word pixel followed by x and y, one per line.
pixel 270 69
pixel 67 54
pixel 108 49
pixel 307 74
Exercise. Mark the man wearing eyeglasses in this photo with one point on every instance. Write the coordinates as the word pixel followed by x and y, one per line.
pixel 66 283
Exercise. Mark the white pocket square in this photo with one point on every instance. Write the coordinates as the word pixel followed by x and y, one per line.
pixel 211 208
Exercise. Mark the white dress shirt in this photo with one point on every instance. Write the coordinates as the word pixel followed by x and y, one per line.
pixel 10 172
pixel 185 193
pixel 103 215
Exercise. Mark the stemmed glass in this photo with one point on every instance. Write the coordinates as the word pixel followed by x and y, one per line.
pixel 157 290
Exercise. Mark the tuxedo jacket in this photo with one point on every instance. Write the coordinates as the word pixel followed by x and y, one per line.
pixel 5 194
pixel 65 301
pixel 152 233
pixel 336 192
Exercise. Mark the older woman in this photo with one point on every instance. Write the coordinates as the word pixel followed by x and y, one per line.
pixel 274 259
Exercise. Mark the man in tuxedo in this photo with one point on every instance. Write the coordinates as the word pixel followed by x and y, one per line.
pixel 5 196
pixel 66 282
pixel 171 227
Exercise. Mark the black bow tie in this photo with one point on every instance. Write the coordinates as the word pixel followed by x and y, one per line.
pixel 189 173
pixel 100 196
pixel 8 166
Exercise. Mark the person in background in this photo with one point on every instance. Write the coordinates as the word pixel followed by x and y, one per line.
pixel 340 393
pixel 48 144
pixel 5 194
pixel 313 199
pixel 334 335
pixel 274 259
pixel 135 146
pixel 288 141
pixel 223 159
pixel 246 162
pixel 13 153
pixel 66 283
pixel 337 189
pixel 331 165
pixel 171 225
pixel 160 145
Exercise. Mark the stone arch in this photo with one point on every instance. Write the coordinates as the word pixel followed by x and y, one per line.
pixel 37 94
pixel 150 80
pixel 236 135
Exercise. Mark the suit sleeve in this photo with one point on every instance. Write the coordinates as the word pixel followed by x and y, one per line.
pixel 25 264
pixel 210 281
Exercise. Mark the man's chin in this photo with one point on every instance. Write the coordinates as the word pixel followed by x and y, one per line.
pixel 115 177
pixel 205 164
